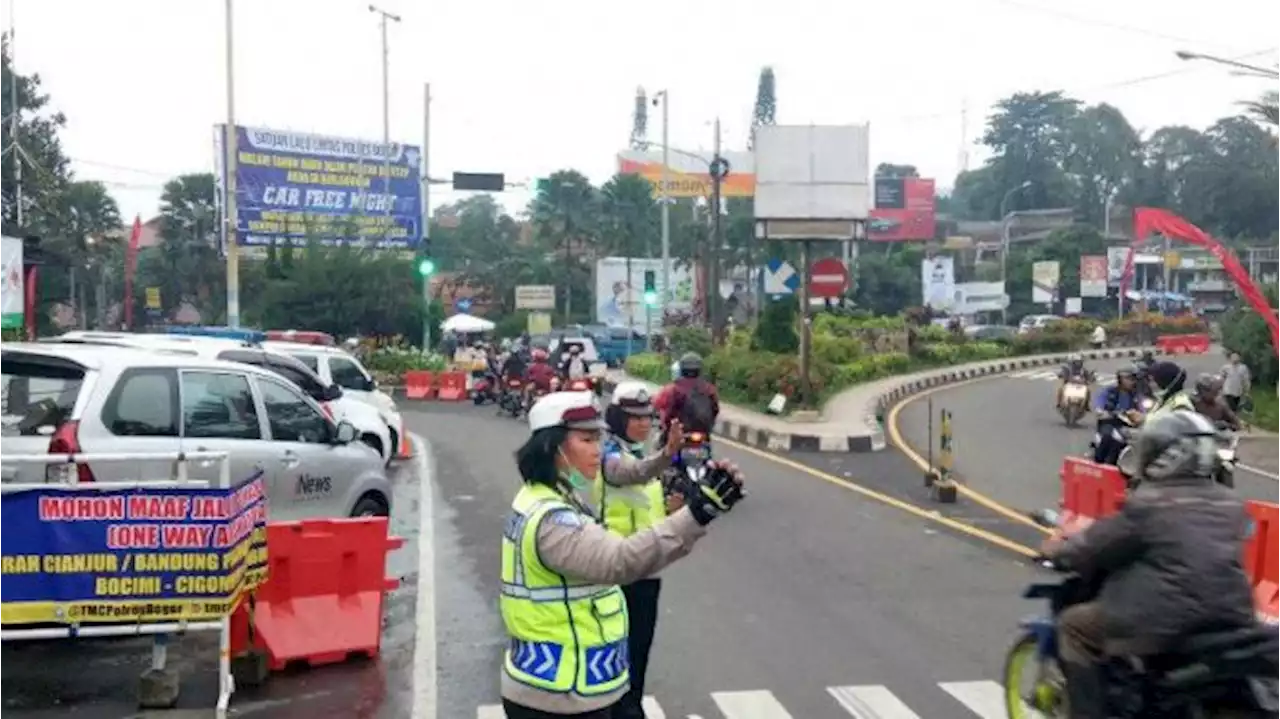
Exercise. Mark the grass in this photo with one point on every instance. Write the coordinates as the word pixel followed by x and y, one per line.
pixel 1265 414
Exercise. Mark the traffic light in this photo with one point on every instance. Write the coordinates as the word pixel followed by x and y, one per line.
pixel 426 266
pixel 650 289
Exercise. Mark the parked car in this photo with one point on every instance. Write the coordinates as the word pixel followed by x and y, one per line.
pixel 1036 322
pixel 366 419
pixel 62 398
pixel 989 333
pixel 336 366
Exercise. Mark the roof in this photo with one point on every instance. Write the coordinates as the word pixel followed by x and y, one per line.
pixel 293 348
pixel 92 356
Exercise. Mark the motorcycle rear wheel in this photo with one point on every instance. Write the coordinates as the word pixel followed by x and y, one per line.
pixel 1046 698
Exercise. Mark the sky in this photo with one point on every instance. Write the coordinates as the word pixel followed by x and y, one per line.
pixel 529 88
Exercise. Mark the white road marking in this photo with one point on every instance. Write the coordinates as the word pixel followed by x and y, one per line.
pixel 1255 470
pixel 759 704
pixel 985 698
pixel 651 709
pixel 872 701
pixel 424 643
pixel 491 711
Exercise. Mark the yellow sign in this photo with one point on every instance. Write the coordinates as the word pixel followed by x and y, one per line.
pixel 153 298
pixel 1172 260
pixel 538 323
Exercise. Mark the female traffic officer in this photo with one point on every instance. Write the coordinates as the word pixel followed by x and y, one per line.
pixel 630 498
pixel 561 603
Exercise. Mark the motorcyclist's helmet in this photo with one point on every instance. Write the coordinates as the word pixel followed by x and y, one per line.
pixel 1075 358
pixel 1207 384
pixel 575 349
pixel 1147 356
pixel 1167 376
pixel 690 365
pixel 538 355
pixel 1181 443
pixel 629 399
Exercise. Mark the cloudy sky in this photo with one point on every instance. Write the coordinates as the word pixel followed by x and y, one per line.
pixel 526 88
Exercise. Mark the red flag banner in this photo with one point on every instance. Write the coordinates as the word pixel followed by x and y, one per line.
pixel 130 264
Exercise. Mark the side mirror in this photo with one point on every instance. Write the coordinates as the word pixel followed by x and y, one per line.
pixel 372 385
pixel 346 433
pixel 331 393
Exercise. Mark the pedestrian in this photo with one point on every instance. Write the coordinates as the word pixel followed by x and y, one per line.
pixel 1236 381
pixel 630 496
pixel 564 611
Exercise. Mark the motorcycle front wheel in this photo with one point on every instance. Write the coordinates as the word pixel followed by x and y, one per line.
pixel 1033 685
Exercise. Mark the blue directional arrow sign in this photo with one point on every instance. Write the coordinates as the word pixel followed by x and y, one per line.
pixel 780 278
pixel 462 304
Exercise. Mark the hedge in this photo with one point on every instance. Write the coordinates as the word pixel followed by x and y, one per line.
pixel 849 351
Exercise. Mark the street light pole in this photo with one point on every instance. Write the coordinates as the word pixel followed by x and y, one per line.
pixel 386 117
pixel 665 199
pixel 229 142
pixel 1004 248
pixel 1265 71
pixel 426 212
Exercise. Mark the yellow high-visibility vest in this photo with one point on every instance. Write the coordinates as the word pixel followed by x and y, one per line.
pixel 566 635
pixel 627 510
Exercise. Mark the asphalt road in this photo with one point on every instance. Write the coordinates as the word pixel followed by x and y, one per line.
pixel 1009 441
pixel 97 679
pixel 804 587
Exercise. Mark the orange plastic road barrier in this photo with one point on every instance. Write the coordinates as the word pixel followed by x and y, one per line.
pixel 1090 491
pixel 1183 344
pixel 1262 557
pixel 406 447
pixel 453 386
pixel 322 600
pixel 417 384
pixel 1196 344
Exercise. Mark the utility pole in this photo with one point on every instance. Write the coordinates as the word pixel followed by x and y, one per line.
pixel 229 143
pixel 426 211
pixel 664 197
pixel 719 168
pixel 386 119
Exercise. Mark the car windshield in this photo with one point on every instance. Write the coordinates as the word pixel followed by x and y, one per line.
pixel 38 396
pixel 311 361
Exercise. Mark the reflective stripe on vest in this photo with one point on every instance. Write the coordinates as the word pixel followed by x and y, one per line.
pixel 627 510
pixel 1177 402
pixel 566 636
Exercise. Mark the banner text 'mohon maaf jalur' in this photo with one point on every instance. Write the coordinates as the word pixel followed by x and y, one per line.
pixel 130 555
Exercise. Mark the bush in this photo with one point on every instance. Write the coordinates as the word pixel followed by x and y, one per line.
pixel 1265 414
pixel 1245 332
pixel 390 362
pixel 689 339
pixel 649 366
pixel 776 331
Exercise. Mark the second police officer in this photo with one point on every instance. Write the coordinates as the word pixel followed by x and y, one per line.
pixel 629 495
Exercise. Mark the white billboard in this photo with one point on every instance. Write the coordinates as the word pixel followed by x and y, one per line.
pixel 1115 262
pixel 14 295
pixel 938 282
pixel 973 297
pixel 535 297
pixel 619 299
pixel 806 172
pixel 1045 277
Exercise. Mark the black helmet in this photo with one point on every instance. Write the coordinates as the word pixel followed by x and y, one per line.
pixel 690 365
pixel 1126 373
pixel 1148 356
pixel 1176 444
pixel 1168 376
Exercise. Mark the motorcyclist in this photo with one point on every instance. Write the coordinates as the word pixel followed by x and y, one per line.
pixel 1142 366
pixel 693 400
pixel 1165 381
pixel 1208 401
pixel 1073 368
pixel 539 374
pixel 574 365
pixel 1120 399
pixel 1169 563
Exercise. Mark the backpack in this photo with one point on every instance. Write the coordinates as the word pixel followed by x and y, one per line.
pixel 697 413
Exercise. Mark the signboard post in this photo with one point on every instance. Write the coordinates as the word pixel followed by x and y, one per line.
pixel 812 183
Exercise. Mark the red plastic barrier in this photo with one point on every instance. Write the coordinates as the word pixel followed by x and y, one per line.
pixel 453 386
pixel 1196 344
pixel 417 384
pixel 322 600
pixel 1090 491
pixel 1183 344
pixel 1262 556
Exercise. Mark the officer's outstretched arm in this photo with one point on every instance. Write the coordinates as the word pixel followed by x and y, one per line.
pixel 621 470
pixel 581 549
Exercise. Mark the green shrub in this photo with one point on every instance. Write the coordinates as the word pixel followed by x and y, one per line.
pixel 776 331
pixel 689 339
pixel 837 350
pixel 1265 414
pixel 649 366
pixel 1246 332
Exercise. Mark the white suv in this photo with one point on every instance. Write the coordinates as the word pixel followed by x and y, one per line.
pixel 338 367
pixel 341 405
pixel 85 399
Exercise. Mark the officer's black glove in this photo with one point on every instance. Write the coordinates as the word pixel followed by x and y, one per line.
pixel 717 492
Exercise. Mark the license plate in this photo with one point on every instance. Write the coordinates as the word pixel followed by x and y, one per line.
pixel 696 453
pixel 1075 391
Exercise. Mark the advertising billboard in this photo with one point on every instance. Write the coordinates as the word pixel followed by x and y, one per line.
pixel 1093 276
pixel 1044 281
pixel 687 175
pixel 1116 258
pixel 973 297
pixel 904 210
pixel 292 185
pixel 14 297
pixel 938 282
pixel 620 300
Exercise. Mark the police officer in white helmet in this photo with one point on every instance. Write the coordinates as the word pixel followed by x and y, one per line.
pixel 564 611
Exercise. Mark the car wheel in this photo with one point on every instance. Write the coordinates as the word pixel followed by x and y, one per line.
pixel 374 441
pixel 370 505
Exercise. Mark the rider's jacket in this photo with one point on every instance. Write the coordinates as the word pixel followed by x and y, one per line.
pixel 625 506
pixel 1114 400
pixel 1176 401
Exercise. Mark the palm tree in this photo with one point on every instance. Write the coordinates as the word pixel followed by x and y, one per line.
pixel 565 216
pixel 1265 109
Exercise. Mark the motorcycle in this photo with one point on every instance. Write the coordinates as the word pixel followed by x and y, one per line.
pixel 1075 400
pixel 1121 430
pixel 484 388
pixel 578 384
pixel 1232 671
pixel 511 399
pixel 689 466
pixel 1228 441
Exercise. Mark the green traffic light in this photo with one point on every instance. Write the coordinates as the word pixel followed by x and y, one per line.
pixel 651 298
pixel 426 267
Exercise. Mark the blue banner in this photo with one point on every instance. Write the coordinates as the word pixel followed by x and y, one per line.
pixel 130 555
pixel 291 186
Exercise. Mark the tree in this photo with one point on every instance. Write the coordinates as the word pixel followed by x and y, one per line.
pixel 1266 109
pixel 889 170
pixel 1030 137
pixel 640 121
pixel 566 216
pixel 44 168
pixel 186 266
pixel 1103 156
pixel 766 107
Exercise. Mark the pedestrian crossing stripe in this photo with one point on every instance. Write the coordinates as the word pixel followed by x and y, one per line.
pixel 981 699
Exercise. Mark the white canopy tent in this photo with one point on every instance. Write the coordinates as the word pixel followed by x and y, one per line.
pixel 466 324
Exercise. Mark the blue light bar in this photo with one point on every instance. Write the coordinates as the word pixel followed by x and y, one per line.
pixel 226 333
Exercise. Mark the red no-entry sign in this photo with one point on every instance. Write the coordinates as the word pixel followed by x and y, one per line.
pixel 828 278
